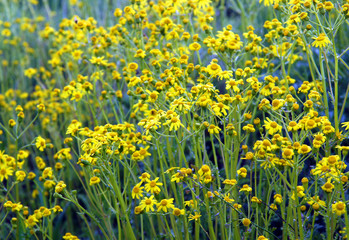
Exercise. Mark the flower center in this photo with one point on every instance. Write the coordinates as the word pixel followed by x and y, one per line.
pixel 331 159
pixel 152 183
pixel 340 206
pixel 205 168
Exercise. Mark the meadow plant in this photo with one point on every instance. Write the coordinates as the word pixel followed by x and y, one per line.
pixel 174 119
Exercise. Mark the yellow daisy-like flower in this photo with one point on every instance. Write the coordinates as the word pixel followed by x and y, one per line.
pixel 174 122
pixel 205 170
pixel 339 208
pixel 177 212
pixel 152 186
pixel 245 188
pixel 194 217
pixel 321 41
pixel 212 129
pixel 148 204
pixel 94 180
pixel 144 177
pixel 40 143
pixel 165 204
pixel 5 172
pixel 272 127
pixel 287 153
pixel 31 221
pixel 328 187
pixel 304 149
pixel 137 191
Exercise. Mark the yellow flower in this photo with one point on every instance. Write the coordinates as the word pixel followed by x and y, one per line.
pixel 98 61
pixel 20 175
pixel 144 177
pixel 153 96
pixel 339 208
pixel 5 172
pixel 278 198
pixel 165 204
pixel 137 191
pixel 245 188
pixel 94 180
pixel 328 187
pixel 277 104
pixel 30 72
pixel 174 123
pixel 140 53
pixel 40 143
pixel 205 170
pixel 227 198
pixel 194 217
pixel 287 153
pixel 213 69
pixel 76 54
pixel 268 2
pixel 220 108
pixel 262 238
pixel 346 125
pixel 246 222
pixel 31 221
pixel 249 128
pixel 148 203
pixel 242 172
pixel 152 186
pixel 304 149
pixel 233 84
pixel 321 41
pixel 272 127
pixel 212 129
pixel 177 212
pixel 194 46
pixel 231 182
pixel 292 126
